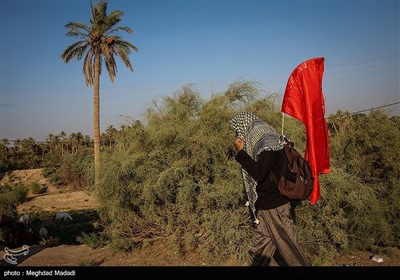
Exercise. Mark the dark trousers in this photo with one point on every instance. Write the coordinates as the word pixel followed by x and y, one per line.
pixel 275 231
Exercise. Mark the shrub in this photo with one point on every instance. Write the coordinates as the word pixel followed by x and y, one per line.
pixel 174 176
pixel 20 192
pixel 93 240
pixel 35 188
pixel 8 201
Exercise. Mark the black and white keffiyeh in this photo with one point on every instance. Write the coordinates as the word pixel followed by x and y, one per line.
pixel 258 136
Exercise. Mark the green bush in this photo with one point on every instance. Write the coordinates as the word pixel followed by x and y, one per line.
pixel 35 188
pixel 8 201
pixel 20 192
pixel 74 169
pixel 174 176
pixel 93 240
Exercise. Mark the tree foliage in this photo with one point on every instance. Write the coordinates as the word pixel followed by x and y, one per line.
pixel 174 176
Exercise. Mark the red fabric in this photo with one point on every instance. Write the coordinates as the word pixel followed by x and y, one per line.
pixel 304 101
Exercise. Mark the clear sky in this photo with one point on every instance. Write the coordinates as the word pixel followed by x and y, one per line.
pixel 207 43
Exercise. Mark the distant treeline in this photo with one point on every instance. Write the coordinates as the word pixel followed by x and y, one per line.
pixel 29 153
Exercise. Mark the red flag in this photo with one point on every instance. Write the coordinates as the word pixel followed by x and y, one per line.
pixel 304 101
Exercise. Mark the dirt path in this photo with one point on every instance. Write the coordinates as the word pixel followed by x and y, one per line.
pixel 57 202
pixel 55 199
pixel 82 255
pixel 64 199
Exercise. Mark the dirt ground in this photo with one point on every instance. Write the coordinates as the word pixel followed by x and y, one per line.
pixel 65 199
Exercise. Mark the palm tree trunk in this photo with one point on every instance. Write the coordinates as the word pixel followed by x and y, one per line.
pixel 96 119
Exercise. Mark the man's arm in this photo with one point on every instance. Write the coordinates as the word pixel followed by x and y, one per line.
pixel 259 169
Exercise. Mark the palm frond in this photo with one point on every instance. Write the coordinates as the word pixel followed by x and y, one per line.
pixel 77 27
pixel 102 8
pixel 80 51
pixel 114 18
pixel 125 58
pixel 127 45
pixel 119 28
pixel 99 14
pixel 107 50
pixel 88 68
pixel 111 67
pixel 75 50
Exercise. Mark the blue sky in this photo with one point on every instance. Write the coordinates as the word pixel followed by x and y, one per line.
pixel 207 43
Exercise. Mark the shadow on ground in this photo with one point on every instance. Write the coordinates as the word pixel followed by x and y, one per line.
pixel 84 227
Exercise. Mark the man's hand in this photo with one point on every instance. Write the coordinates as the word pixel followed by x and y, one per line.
pixel 239 143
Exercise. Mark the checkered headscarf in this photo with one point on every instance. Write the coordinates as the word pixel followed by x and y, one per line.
pixel 258 136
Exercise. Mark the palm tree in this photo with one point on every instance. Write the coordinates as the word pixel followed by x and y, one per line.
pixel 99 43
pixel 111 133
pixel 62 136
pixel 5 143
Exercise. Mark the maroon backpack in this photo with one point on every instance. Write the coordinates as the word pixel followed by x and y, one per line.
pixel 296 181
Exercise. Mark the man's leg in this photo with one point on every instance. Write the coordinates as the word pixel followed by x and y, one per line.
pixel 261 248
pixel 283 235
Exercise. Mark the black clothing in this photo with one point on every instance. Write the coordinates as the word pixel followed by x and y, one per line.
pixel 268 194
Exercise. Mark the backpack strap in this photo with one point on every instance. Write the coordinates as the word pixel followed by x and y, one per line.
pixel 273 178
pixel 287 148
pixel 271 174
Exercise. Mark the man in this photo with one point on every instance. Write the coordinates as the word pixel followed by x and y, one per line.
pixel 260 152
